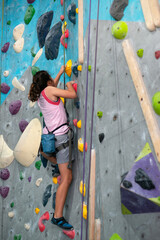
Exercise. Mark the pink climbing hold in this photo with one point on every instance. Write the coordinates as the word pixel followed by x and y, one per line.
pixel 62 18
pixel 22 125
pixel 62 2
pixel 75 86
pixel 157 54
pixel 75 122
pixel 41 226
pixel 5 47
pixel 4 191
pixel 4 174
pixel 66 35
pixel 14 107
pixel 70 234
pixel 30 1
pixel 5 88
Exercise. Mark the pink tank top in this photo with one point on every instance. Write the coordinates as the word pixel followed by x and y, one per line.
pixel 54 114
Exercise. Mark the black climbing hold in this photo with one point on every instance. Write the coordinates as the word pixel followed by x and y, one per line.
pixel 44 161
pixel 143 179
pixel 54 200
pixel 46 195
pixel 52 41
pixel 74 69
pixel 43 26
pixel 123 176
pixel 71 11
pixel 117 9
pixel 101 137
pixel 127 184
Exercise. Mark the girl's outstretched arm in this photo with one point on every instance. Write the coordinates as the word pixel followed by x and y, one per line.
pixel 56 80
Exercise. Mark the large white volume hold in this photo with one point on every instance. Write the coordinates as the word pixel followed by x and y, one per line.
pixel 17 84
pixel 18 31
pixel 6 73
pixel 39 53
pixel 6 154
pixel 18 45
pixel 27 147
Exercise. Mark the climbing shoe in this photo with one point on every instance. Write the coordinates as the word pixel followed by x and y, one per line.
pixel 62 223
pixel 55 170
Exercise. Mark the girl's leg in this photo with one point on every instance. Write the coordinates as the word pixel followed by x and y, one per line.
pixel 61 194
pixel 51 159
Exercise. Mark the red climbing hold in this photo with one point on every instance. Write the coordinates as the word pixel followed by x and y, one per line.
pixel 75 86
pixel 62 2
pixel 75 122
pixel 70 234
pixel 157 54
pixel 62 38
pixel 62 18
pixel 41 226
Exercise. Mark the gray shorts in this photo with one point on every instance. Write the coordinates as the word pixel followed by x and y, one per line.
pixel 63 155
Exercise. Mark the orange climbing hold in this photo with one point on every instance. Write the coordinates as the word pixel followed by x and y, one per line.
pixel 54 179
pixel 37 210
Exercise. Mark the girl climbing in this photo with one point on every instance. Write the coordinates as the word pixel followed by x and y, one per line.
pixel 44 90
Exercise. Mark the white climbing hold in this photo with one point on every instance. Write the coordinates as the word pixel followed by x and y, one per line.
pixel 31 104
pixel 18 45
pixel 38 182
pixel 18 31
pixel 27 226
pixel 6 73
pixel 6 154
pixel 27 147
pixel 39 53
pixel 17 84
pixel 11 214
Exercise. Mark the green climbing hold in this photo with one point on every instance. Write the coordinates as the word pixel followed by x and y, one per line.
pixel 119 30
pixel 12 205
pixel 35 70
pixel 21 175
pixel 41 114
pixel 140 53
pixel 38 164
pixel 32 52
pixel 17 237
pixel 115 236
pixel 89 68
pixel 156 102
pixel 29 14
pixel 99 114
pixel 9 22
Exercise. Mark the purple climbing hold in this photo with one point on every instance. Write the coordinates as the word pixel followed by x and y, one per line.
pixel 22 125
pixel 30 1
pixel 5 47
pixel 4 174
pixel 14 107
pixel 43 27
pixel 29 179
pixel 4 191
pixel 5 88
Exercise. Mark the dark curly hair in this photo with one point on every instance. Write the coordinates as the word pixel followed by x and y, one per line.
pixel 40 80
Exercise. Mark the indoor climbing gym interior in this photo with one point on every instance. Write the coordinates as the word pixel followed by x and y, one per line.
pixel 110 51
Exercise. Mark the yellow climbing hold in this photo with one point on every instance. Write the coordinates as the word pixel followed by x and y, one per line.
pixel 79 124
pixel 54 179
pixel 77 10
pixel 64 26
pixel 81 188
pixel 62 99
pixel 84 210
pixel 37 210
pixel 79 68
pixel 68 68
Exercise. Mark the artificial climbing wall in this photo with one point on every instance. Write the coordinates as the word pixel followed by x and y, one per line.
pixel 122 122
